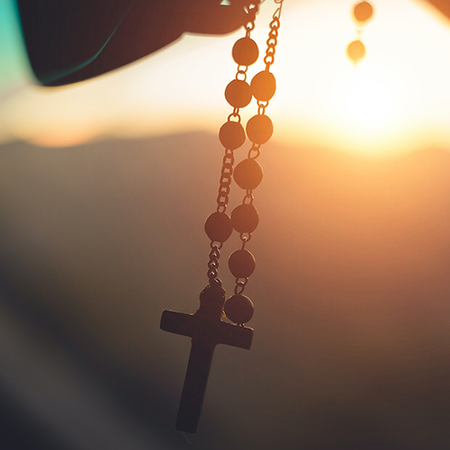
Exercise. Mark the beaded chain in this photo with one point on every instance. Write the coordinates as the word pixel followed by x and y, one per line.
pixel 362 13
pixel 218 226
pixel 205 326
pixel 248 173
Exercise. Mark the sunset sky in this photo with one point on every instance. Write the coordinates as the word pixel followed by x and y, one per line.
pixel 396 100
pixel 104 190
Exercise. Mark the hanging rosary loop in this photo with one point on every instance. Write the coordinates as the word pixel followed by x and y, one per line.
pixel 206 327
pixel 248 174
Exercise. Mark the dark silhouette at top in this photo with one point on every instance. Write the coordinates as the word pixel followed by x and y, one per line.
pixel 442 5
pixel 69 41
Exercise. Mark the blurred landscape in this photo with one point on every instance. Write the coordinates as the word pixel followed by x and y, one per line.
pixel 352 318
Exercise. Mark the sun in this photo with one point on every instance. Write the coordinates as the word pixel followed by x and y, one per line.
pixel 367 99
pixel 395 100
pixel 389 103
pixel 369 103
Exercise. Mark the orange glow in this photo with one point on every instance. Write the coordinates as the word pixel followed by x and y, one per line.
pixel 63 138
pixel 389 103
pixel 395 100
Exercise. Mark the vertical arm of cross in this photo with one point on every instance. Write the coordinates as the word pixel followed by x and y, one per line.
pixel 206 331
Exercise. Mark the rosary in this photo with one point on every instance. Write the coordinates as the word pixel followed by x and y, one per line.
pixel 206 327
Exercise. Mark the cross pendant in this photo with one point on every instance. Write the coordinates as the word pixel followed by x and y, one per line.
pixel 206 329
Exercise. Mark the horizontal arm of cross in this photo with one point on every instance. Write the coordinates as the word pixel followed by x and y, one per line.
pixel 178 323
pixel 234 335
pixel 205 329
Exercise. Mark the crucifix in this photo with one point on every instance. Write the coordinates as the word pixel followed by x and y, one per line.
pixel 206 329
pixel 70 41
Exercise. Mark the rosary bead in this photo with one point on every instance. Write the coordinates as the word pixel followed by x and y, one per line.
pixel 248 174
pixel 259 129
pixel 238 93
pixel 239 309
pixel 244 218
pixel 245 52
pixel 356 51
pixel 241 263
pixel 363 11
pixel 263 86
pixel 232 135
pixel 218 227
pixel 212 299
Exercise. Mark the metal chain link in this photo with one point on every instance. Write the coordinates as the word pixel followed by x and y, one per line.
pixel 226 173
pixel 225 181
pixel 272 41
pixel 248 199
pixel 262 107
pixel 255 150
pixel 251 10
pixel 241 73
pixel 240 285
pixel 213 264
